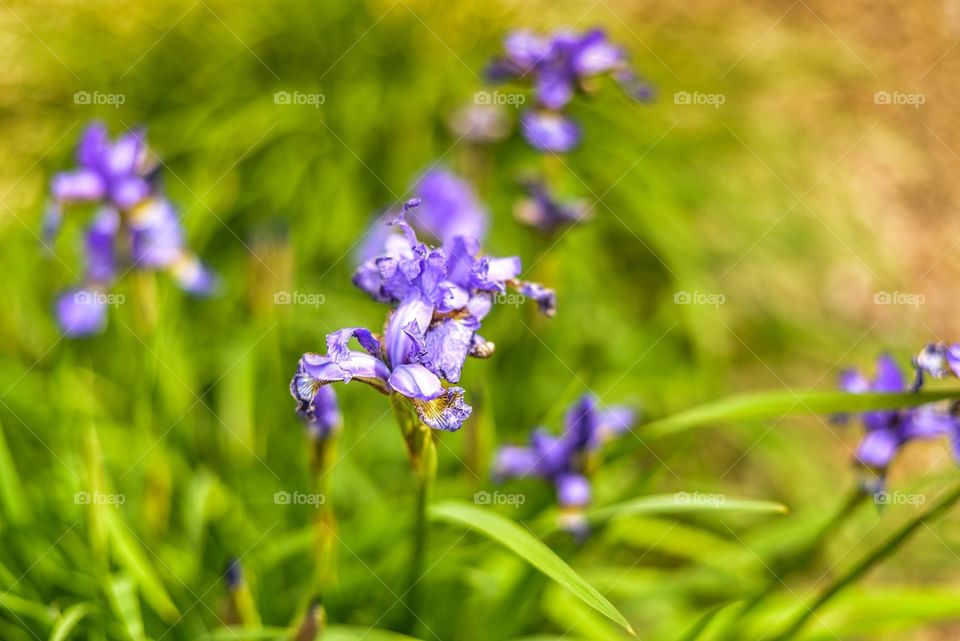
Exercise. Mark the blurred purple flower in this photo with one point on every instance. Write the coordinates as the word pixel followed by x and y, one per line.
pixel 558 68
pixel 887 431
pixel 109 172
pixel 82 312
pixel 134 224
pixel 449 207
pixel 561 460
pixel 543 210
pixel 936 360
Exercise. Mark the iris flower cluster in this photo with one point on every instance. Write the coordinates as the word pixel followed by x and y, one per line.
pixel 564 460
pixel 438 298
pixel 559 67
pixel 888 431
pixel 134 225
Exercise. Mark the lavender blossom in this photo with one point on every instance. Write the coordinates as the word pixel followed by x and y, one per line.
pixel 561 460
pixel 887 431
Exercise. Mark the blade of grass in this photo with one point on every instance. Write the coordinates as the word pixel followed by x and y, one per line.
pixel 767 405
pixel 521 542
pixel 69 620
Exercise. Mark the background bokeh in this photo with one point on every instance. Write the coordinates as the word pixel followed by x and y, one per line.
pixel 800 200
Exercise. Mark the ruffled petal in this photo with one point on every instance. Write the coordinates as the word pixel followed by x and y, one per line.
pixel 320 370
pixel 446 345
pixel 544 297
pixel 397 340
pixel 337 350
pixel 446 412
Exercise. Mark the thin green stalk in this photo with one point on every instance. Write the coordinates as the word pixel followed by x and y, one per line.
pixel 798 559
pixel 423 457
pixel 947 501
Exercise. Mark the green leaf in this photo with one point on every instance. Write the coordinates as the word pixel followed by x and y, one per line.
pixel 23 608
pixel 521 542
pixel 11 489
pixel 333 633
pixel 67 621
pixel 123 597
pixel 683 503
pixel 771 405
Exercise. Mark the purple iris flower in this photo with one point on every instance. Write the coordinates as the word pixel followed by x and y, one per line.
pixel 543 210
pixel 936 360
pixel 109 172
pixel 440 296
pixel 559 67
pixel 562 459
pixel 134 225
pixel 889 430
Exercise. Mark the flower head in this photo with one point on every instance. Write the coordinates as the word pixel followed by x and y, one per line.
pixel 115 172
pixel 558 68
pixel 887 431
pixel 936 360
pixel 135 225
pixel 438 298
pixel 562 460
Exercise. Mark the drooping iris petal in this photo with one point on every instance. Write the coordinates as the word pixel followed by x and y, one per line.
pixel 446 412
pixel 878 447
pixel 516 462
pixel 573 490
pixel 157 234
pixel 81 312
pixel 549 131
pixel 449 207
pixel 100 245
pixel 323 415
pixel 78 185
pixel 358 365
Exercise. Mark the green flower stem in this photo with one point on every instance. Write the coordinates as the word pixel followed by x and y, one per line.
pixel 938 509
pixel 423 457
